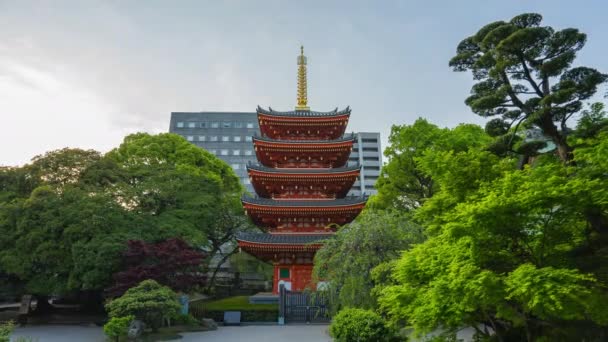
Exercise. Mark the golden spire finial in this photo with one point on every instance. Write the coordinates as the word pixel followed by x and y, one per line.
pixel 302 91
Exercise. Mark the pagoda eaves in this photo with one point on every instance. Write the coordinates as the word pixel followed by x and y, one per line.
pixel 303 153
pixel 302 124
pixel 302 216
pixel 302 182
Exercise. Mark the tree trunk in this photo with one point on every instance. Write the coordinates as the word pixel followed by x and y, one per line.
pixel 549 129
pixel 211 281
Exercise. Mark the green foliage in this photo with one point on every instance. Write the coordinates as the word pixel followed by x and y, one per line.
pixel 402 183
pixel 118 327
pixel 509 248
pixel 525 76
pixel 353 324
pixel 65 219
pixel 148 301
pixel 6 329
pixel 347 260
pixel 189 320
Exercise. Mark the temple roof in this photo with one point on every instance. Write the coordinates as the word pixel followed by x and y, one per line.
pixel 285 239
pixel 303 113
pixel 345 137
pixel 346 201
pixel 262 168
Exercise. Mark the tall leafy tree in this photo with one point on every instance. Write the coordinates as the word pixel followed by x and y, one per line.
pixel 346 261
pixel 402 184
pixel 511 252
pixel 525 77
pixel 66 218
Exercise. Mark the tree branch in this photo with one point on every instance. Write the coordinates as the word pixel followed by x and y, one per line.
pixel 528 77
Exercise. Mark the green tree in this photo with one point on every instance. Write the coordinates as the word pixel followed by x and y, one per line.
pixel 525 77
pixel 402 184
pixel 509 249
pixel 65 219
pixel 346 261
pixel 148 301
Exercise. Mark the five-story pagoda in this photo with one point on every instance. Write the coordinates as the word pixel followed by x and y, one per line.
pixel 301 180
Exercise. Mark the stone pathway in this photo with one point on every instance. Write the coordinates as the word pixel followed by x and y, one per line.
pixel 253 333
pixel 261 333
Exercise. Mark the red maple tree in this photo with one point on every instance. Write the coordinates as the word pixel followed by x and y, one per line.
pixel 172 263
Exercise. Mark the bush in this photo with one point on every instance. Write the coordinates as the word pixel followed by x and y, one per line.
pixel 118 327
pixel 359 325
pixel 149 301
pixel 185 320
pixel 6 329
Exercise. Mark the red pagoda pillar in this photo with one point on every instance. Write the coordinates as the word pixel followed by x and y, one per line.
pixel 301 181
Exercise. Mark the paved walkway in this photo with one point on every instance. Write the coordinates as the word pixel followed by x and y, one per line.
pixel 289 333
pixel 261 333
pixel 61 333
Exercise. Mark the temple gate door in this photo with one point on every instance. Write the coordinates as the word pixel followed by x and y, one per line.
pixel 302 307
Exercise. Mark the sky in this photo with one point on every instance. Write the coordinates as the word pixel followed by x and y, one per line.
pixel 86 73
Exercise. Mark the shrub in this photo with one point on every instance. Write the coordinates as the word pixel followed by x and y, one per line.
pixel 118 327
pixel 359 325
pixel 6 329
pixel 149 301
pixel 182 319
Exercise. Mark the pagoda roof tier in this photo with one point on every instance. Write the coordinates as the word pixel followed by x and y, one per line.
pixel 296 125
pixel 282 239
pixel 304 113
pixel 312 171
pixel 346 202
pixel 285 248
pixel 302 216
pixel 350 137
pixel 302 183
pixel 303 153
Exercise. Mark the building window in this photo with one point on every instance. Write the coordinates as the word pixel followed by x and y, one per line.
pixel 190 138
pixel 246 181
pixel 236 166
pixel 248 152
pixel 371 158
pixel 226 124
pixel 225 138
pixel 249 138
pixel 372 168
pixel 224 152
pixel 236 152
pixel 202 138
pixel 371 177
pixel 214 152
pixel 191 124
pixel 369 140
pixel 237 138
pixel 203 125
pixel 213 138
pixel 283 272
pixel 238 125
pixel 180 125
pixel 369 187
pixel 373 149
pixel 215 124
pixel 250 125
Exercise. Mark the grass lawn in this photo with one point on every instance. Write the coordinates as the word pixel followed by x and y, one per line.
pixel 237 303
